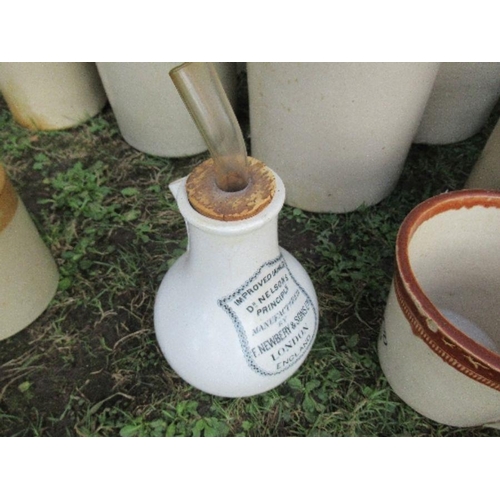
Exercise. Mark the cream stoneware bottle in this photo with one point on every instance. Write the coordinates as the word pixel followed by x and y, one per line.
pixel 150 114
pixel 28 273
pixel 51 95
pixel 485 174
pixel 338 134
pixel 237 314
pixel 461 100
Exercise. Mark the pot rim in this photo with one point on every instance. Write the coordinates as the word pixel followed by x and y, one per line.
pixel 433 319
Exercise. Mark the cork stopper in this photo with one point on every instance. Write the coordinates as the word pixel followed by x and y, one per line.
pixel 211 201
pixel 8 200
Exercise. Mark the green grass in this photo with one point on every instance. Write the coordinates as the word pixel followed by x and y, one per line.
pixel 90 365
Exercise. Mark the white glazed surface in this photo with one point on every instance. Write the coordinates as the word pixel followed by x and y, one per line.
pixel 455 258
pixel 149 111
pixel 50 96
pixel 337 133
pixel 211 333
pixel 28 274
pixel 462 99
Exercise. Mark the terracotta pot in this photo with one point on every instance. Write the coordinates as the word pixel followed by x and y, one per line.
pixel 236 315
pixel 337 133
pixel 50 96
pixel 28 273
pixel 440 343
pixel 463 96
pixel 149 111
pixel 486 172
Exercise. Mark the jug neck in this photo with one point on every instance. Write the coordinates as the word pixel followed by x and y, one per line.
pixel 254 239
pixel 222 251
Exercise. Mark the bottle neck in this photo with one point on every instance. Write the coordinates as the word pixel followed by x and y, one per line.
pixel 216 253
pixel 217 246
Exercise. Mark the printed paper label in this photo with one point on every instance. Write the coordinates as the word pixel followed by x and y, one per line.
pixel 274 316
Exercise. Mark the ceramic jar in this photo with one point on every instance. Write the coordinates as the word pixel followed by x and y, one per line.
pixel 236 315
pixel 51 96
pixel 463 96
pixel 337 133
pixel 486 172
pixel 439 346
pixel 150 113
pixel 28 273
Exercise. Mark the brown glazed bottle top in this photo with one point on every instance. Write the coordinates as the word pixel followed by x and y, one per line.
pixel 8 200
pixel 211 201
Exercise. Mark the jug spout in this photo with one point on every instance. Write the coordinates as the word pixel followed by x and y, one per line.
pixel 174 187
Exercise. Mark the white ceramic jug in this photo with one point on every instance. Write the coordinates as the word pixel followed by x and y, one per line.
pixel 150 114
pixel 236 315
pixel 28 273
pixel 463 96
pixel 337 133
pixel 51 95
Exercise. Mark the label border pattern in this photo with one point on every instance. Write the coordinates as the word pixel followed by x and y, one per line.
pixel 242 336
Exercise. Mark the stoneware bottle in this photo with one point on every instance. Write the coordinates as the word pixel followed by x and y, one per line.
pixel 463 96
pixel 486 172
pixel 28 273
pixel 51 96
pixel 150 114
pixel 236 315
pixel 337 133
